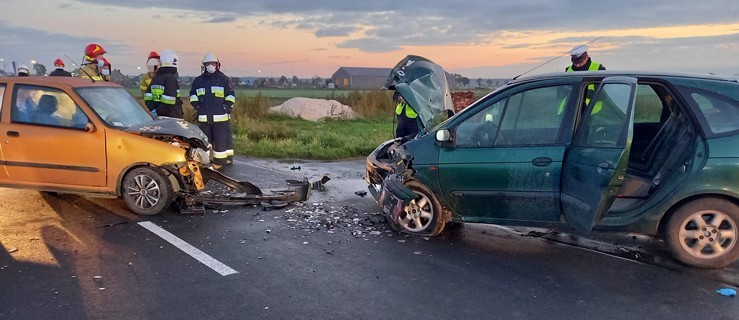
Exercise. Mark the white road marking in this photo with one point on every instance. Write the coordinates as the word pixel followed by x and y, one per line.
pixel 201 256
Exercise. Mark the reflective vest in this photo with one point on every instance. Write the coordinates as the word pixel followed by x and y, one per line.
pixel 145 82
pixel 409 112
pixel 594 66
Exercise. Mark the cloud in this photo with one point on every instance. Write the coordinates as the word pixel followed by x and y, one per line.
pixel 335 31
pixel 221 19
pixel 22 44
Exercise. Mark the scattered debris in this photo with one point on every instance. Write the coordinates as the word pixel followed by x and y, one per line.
pixel 360 193
pixel 331 252
pixel 726 292
pixel 273 204
pixel 418 253
pixel 101 289
pixel 97 277
pixel 305 242
pixel 314 217
pixel 295 168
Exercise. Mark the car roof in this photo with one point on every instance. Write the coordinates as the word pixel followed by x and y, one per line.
pixel 608 73
pixel 72 82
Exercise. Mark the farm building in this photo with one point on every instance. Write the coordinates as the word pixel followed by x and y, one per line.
pixel 360 78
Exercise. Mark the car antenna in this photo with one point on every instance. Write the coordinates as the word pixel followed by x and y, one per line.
pixel 557 57
pixel 78 66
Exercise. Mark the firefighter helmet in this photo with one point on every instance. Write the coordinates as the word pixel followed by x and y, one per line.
pixel 59 63
pixel 94 50
pixel 169 59
pixel 211 57
pixel 153 55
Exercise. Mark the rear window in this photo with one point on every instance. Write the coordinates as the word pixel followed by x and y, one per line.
pixel 720 113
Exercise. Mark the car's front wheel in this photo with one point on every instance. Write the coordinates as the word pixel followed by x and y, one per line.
pixel 703 233
pixel 146 191
pixel 423 215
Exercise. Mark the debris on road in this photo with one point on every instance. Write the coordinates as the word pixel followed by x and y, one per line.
pixel 295 168
pixel 360 193
pixel 418 253
pixel 726 292
pixel 324 217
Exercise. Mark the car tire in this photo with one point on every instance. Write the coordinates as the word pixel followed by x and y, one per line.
pixel 703 233
pixel 146 191
pixel 424 215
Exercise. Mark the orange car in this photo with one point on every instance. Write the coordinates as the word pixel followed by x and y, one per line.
pixel 92 138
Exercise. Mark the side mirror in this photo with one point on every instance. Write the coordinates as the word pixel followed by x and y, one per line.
pixel 443 135
pixel 89 127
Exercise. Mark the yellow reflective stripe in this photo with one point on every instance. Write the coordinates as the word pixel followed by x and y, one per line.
pixel 148 97
pixel 230 152
pixel 193 98
pixel 200 91
pixel 231 98
pixel 168 99
pixel 217 91
pixel 220 155
pixel 220 117
pixel 202 118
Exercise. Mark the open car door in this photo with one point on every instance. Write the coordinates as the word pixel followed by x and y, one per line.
pixel 596 161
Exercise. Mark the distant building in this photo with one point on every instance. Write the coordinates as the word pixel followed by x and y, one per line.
pixel 360 78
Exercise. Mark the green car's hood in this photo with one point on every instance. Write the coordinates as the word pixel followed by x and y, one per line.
pixel 423 84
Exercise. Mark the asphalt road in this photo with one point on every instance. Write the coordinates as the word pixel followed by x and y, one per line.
pixel 63 256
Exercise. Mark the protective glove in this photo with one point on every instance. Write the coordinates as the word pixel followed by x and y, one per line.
pixel 227 108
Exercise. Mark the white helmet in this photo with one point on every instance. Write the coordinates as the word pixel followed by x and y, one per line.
pixel 210 57
pixel 23 69
pixel 169 59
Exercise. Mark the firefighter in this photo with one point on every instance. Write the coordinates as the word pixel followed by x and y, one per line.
pixel 23 71
pixel 92 62
pixel 407 123
pixel 162 96
pixel 581 62
pixel 105 70
pixel 152 64
pixel 212 96
pixel 59 71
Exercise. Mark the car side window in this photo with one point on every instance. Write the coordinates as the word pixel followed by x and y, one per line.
pixel 607 126
pixel 480 129
pixel 648 105
pixel 722 114
pixel 46 106
pixel 2 94
pixel 533 117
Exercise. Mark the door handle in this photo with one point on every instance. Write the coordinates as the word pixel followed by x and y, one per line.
pixel 541 161
pixel 12 134
pixel 603 166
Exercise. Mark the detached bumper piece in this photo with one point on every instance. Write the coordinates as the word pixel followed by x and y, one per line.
pixel 393 197
pixel 246 193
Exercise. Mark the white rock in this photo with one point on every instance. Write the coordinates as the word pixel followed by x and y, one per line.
pixel 314 109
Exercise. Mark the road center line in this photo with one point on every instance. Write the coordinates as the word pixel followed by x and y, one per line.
pixel 196 253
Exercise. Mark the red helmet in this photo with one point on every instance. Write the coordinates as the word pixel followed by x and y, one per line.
pixel 153 55
pixel 93 50
pixel 59 63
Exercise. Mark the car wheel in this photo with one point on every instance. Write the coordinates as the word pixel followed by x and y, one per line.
pixel 703 233
pixel 422 215
pixel 146 191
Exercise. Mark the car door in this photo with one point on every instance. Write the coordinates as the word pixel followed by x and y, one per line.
pixel 506 159
pixel 595 165
pixel 47 141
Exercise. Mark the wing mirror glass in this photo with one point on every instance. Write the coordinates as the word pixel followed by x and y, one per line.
pixel 443 135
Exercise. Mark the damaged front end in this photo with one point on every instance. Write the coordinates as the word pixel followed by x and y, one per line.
pixel 192 177
pixel 388 168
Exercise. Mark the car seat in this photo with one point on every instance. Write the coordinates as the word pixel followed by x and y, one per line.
pixel 47 105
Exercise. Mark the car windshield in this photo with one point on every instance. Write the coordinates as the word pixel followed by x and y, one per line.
pixel 115 106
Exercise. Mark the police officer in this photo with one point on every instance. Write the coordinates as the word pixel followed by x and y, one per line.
pixel 152 64
pixel 59 71
pixel 581 62
pixel 407 123
pixel 212 96
pixel 92 62
pixel 162 96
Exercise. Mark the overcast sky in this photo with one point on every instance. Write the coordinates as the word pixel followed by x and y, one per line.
pixel 489 39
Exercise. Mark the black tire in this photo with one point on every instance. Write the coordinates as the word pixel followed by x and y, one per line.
pixel 694 238
pixel 146 191
pixel 426 219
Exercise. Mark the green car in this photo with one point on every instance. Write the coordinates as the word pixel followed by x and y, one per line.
pixel 652 153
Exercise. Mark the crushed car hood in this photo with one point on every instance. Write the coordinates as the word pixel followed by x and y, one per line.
pixel 423 84
pixel 172 127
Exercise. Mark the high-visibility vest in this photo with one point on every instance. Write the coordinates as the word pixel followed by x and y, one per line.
pixel 409 112
pixel 594 66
